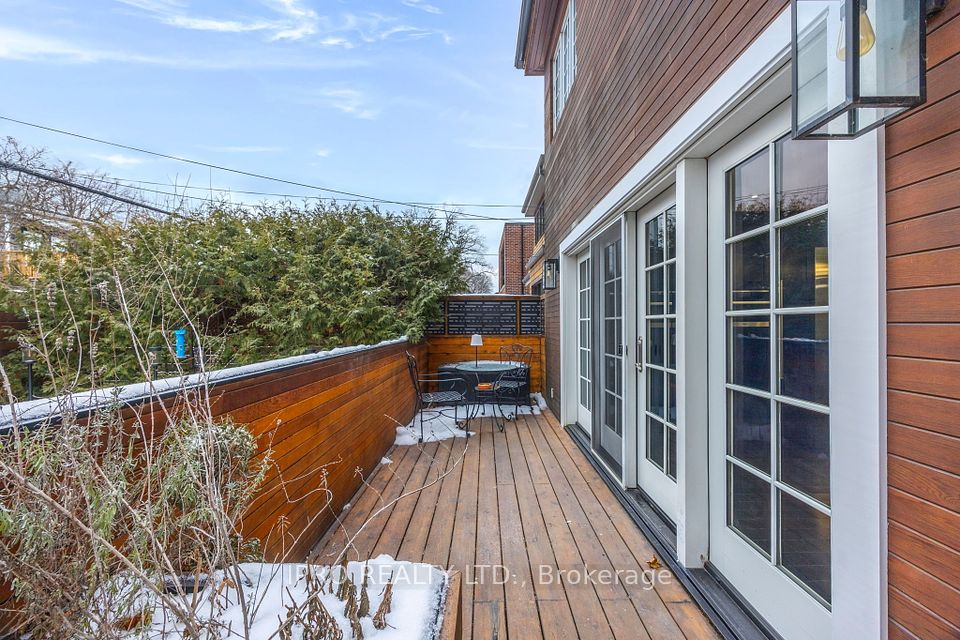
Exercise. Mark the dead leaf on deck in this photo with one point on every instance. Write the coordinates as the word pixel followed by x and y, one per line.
pixel 133 622
pixel 654 563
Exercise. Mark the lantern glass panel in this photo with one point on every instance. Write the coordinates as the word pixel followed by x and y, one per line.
pixel 820 74
pixel 890 68
pixel 857 63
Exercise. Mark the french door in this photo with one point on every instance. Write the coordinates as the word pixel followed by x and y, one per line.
pixel 656 356
pixel 607 356
pixel 770 424
pixel 584 340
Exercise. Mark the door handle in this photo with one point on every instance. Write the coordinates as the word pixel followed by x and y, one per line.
pixel 639 362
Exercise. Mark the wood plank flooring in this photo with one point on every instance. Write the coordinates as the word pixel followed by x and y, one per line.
pixel 538 535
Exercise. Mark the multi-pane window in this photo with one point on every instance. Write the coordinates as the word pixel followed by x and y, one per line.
pixel 660 357
pixel 583 313
pixel 778 416
pixel 565 62
pixel 540 222
pixel 612 356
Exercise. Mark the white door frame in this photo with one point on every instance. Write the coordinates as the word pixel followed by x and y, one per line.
pixel 855 194
pixel 754 84
pixel 650 479
pixel 584 417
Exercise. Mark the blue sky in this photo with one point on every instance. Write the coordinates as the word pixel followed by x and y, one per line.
pixel 412 100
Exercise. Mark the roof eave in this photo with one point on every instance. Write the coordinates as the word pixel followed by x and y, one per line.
pixel 526 11
pixel 536 189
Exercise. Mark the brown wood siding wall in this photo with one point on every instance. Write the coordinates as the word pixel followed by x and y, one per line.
pixel 640 65
pixel 923 344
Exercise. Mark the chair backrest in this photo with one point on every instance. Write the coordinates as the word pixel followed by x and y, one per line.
pixel 519 354
pixel 516 353
pixel 414 373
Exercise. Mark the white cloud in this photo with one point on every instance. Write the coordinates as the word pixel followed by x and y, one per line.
pixel 291 19
pixel 31 47
pixel 155 5
pixel 244 149
pixel 118 160
pixel 323 153
pixel 17 45
pixel 352 102
pixel 423 6
pixel 210 24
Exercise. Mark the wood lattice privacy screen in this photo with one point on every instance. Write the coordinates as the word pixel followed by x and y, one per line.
pixel 490 315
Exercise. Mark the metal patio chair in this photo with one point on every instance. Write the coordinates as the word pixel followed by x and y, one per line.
pixel 510 385
pixel 437 392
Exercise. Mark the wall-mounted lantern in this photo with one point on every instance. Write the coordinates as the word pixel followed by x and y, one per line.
pixel 856 64
pixel 551 273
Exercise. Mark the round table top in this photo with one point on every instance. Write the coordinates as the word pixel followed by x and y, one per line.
pixel 485 366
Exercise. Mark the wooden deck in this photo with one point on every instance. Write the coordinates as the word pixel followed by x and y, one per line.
pixel 528 500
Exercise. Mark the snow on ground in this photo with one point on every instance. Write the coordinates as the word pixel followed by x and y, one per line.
pixel 436 427
pixel 418 593
pixel 541 403
pixel 441 426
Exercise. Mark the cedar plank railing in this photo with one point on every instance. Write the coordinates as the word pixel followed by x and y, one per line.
pixel 310 414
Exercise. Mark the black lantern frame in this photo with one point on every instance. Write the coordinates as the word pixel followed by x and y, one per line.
pixel 849 110
pixel 551 274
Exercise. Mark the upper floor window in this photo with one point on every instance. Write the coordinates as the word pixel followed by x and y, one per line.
pixel 540 222
pixel 565 61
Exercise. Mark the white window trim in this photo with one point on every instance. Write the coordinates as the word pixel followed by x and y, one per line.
pixel 564 62
pixel 857 341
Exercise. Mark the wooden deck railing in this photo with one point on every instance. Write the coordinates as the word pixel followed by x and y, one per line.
pixel 337 410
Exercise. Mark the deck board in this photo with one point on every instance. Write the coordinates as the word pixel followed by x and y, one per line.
pixel 526 498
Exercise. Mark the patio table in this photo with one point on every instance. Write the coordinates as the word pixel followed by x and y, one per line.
pixel 477 373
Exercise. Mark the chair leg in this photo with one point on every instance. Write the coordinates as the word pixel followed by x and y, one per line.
pixel 421 426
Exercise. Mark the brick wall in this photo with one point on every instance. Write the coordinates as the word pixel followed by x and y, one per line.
pixel 516 247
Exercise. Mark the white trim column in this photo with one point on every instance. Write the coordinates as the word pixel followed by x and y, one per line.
pixel 630 264
pixel 858 386
pixel 693 516
pixel 569 326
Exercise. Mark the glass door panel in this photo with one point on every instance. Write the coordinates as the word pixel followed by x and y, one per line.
pixel 657 355
pixel 607 417
pixel 771 537
pixel 584 338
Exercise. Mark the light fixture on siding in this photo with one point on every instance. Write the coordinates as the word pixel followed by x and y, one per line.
pixel 551 273
pixel 856 64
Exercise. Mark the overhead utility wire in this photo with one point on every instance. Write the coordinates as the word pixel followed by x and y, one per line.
pixel 250 174
pixel 132 181
pixel 133 184
pixel 82 187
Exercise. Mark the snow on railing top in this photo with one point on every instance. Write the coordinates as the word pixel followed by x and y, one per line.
pixel 44 408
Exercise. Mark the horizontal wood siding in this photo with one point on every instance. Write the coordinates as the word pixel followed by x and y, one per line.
pixel 923 344
pixel 640 65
